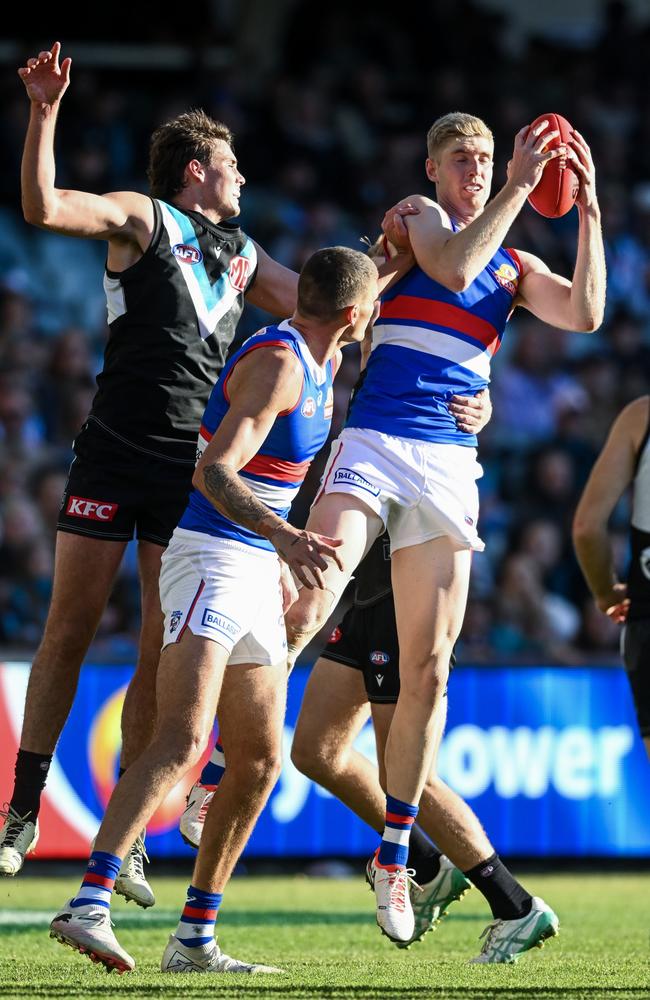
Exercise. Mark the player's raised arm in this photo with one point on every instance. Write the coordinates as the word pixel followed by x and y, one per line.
pixel 123 215
pixel 610 476
pixel 578 304
pixel 462 172
pixel 264 384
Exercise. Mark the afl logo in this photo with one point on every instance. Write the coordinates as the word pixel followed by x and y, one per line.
pixel 308 408
pixel 379 659
pixel 238 273
pixel 187 254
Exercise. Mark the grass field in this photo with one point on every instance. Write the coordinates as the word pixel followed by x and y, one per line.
pixel 323 933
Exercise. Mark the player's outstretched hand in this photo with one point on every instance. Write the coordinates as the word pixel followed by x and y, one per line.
pixel 530 155
pixel 46 81
pixel 304 552
pixel 580 156
pixel 471 413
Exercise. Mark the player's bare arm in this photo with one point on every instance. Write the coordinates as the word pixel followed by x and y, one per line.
pixel 578 304
pixel 275 288
pixel 263 384
pixel 455 259
pixel 610 477
pixel 126 219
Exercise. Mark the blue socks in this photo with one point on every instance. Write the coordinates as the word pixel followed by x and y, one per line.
pixel 98 882
pixel 196 926
pixel 394 849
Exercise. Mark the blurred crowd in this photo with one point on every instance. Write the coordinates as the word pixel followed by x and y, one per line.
pixel 328 138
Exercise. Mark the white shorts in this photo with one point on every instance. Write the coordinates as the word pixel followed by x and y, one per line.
pixel 225 591
pixel 421 490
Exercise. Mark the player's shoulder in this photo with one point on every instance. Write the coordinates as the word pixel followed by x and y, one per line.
pixel 428 209
pixel 634 420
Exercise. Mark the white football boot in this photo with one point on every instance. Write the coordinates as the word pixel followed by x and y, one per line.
pixel 193 818
pixel 431 900
pixel 205 958
pixel 394 910
pixel 18 838
pixel 131 882
pixel 506 940
pixel 88 930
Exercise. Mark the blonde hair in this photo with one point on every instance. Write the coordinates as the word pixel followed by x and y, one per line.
pixel 457 124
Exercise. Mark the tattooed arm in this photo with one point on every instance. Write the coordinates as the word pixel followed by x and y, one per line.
pixel 262 385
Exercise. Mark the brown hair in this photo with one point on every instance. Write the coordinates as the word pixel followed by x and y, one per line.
pixel 457 124
pixel 332 279
pixel 190 136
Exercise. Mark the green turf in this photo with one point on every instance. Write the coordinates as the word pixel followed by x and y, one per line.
pixel 323 933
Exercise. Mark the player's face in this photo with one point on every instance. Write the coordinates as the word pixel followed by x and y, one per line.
pixel 368 310
pixel 462 173
pixel 223 180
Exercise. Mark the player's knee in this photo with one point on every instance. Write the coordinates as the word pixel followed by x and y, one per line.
pixel 426 676
pixel 181 748
pixel 255 771
pixel 308 758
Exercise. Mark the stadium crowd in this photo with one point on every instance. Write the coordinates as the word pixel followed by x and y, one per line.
pixel 327 142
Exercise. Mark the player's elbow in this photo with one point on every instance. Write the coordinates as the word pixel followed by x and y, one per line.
pixel 583 529
pixel 39 214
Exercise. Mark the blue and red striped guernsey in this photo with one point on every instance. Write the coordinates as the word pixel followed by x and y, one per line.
pixel 430 343
pixel 276 472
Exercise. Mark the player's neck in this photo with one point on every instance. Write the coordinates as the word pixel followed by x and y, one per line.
pixel 185 201
pixel 462 215
pixel 321 341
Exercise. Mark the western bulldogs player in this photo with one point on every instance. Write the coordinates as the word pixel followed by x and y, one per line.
pixel 402 463
pixel 221 594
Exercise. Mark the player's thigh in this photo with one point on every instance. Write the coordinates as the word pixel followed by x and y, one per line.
pixel 251 712
pixel 333 712
pixel 84 571
pixel 188 685
pixel 336 515
pixel 430 584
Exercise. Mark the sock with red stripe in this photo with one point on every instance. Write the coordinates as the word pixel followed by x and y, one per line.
pixel 196 926
pixel 394 849
pixel 98 882
pixel 213 771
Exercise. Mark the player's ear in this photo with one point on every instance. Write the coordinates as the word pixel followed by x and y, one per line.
pixel 195 171
pixel 431 168
pixel 351 314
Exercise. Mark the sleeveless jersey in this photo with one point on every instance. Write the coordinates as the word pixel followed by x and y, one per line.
pixel 172 317
pixel 638 584
pixel 430 343
pixel 276 472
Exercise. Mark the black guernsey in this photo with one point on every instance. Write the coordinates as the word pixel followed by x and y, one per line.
pixel 372 577
pixel 172 317
pixel 638 584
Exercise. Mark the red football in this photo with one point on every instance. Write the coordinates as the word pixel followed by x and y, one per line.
pixel 557 189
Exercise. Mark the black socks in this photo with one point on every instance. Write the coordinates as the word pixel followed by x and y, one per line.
pixel 508 900
pixel 31 775
pixel 423 856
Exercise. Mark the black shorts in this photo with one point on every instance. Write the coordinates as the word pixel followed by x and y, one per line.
pixel 636 656
pixel 114 490
pixel 366 639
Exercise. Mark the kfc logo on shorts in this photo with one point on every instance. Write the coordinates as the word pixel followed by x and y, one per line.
pixel 348 477
pixel 174 621
pixel 238 274
pixel 308 408
pixel 336 635
pixel 379 659
pixel 92 509
pixel 186 254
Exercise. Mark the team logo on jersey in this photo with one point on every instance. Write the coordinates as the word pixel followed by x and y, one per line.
pixel 507 277
pixel 329 403
pixel 174 621
pixel 379 659
pixel 187 254
pixel 308 408
pixel 336 635
pixel 92 509
pixel 350 478
pixel 238 272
